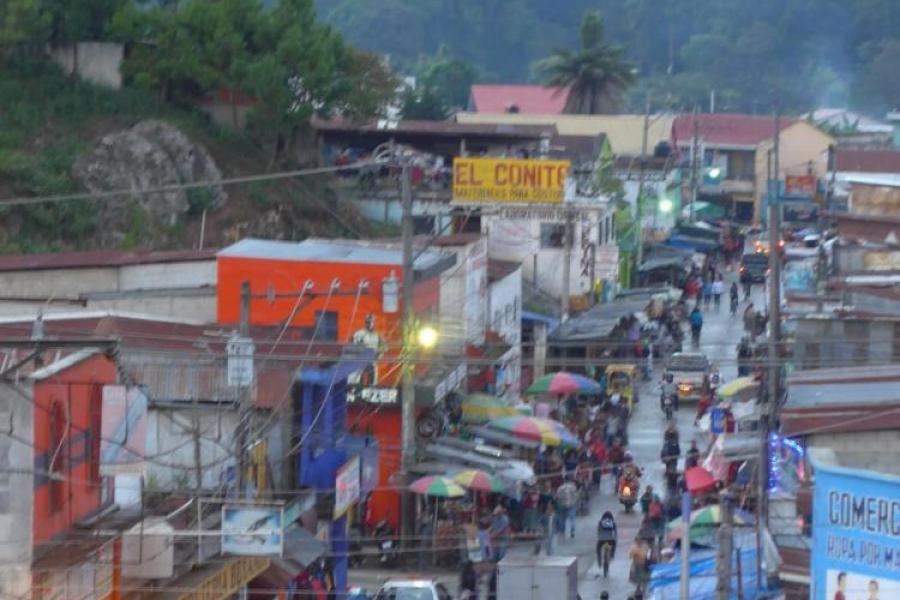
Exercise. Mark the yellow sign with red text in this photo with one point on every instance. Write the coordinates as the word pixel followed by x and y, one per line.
pixel 509 180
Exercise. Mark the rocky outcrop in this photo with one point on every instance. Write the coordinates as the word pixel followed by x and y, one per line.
pixel 151 155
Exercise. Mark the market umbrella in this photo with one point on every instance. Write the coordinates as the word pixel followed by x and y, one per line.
pixel 478 408
pixel 437 485
pixel 564 383
pixel 699 481
pixel 478 480
pixel 735 387
pixel 546 431
pixel 704 523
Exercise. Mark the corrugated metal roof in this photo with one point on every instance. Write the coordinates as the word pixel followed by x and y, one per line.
pixel 449 129
pixel 598 322
pixel 863 160
pixel 833 393
pixel 726 128
pixel 99 258
pixel 331 251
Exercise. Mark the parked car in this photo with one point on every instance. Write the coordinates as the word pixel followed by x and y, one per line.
pixel 754 267
pixel 413 589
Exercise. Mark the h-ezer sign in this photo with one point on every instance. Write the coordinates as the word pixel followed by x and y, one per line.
pixel 510 180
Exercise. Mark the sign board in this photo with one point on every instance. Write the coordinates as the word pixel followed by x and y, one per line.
pixel 856 534
pixel 509 180
pixel 389 396
pixel 346 487
pixel 240 361
pixel 252 530
pixel 800 186
pixel 123 430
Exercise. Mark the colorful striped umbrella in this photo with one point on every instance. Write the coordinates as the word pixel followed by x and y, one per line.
pixel 437 485
pixel 546 431
pixel 562 383
pixel 478 408
pixel 704 523
pixel 476 479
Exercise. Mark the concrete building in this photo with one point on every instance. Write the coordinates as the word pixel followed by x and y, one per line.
pixel 536 239
pixel 178 283
pixel 504 313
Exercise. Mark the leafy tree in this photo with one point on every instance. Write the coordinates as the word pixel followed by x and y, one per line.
pixel 596 76
pixel 879 82
pixel 422 103
pixel 21 21
pixel 447 77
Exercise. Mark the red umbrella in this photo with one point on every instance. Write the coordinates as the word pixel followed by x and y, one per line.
pixel 699 480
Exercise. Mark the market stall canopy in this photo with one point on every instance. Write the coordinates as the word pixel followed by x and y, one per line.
pixel 704 523
pixel 564 383
pixel 597 323
pixel 699 481
pixel 739 387
pixel 478 408
pixel 546 431
pixel 501 437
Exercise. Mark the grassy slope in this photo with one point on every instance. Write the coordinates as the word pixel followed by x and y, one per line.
pixel 46 121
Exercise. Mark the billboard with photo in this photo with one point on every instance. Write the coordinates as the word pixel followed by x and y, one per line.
pixel 252 530
pixel 509 180
pixel 856 535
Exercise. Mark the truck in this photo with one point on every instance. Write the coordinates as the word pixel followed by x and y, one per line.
pixel 537 578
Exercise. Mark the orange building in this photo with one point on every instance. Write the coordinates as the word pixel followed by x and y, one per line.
pixel 347 291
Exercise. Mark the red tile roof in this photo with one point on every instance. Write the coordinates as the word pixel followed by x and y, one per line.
pixel 528 99
pixel 867 161
pixel 726 129
pixel 99 258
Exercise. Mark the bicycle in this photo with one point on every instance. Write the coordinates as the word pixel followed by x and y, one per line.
pixel 604 556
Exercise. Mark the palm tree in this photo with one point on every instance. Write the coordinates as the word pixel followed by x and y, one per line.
pixel 595 76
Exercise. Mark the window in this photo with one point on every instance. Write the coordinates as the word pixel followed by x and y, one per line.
pixel 553 235
pixel 856 335
pixel 326 327
pixel 56 453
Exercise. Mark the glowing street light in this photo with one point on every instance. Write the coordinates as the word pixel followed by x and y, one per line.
pixel 714 172
pixel 427 337
pixel 665 205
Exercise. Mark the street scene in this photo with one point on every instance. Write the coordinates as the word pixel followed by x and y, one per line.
pixel 469 300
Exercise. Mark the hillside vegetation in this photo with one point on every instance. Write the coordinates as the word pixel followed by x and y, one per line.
pixel 754 53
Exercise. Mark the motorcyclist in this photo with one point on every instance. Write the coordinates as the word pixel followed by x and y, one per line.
pixel 606 534
pixel 616 456
pixel 631 473
pixel 670 453
pixel 668 389
pixel 696 320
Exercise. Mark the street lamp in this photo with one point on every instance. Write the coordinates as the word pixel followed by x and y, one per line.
pixel 427 337
pixel 665 205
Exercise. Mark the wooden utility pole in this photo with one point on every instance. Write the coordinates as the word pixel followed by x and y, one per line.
pixel 639 229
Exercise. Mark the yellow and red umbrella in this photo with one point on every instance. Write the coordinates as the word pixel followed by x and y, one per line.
pixel 478 408
pixel 478 480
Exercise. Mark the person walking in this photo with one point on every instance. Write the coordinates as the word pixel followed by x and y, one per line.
pixel 707 292
pixel 500 529
pixel 718 288
pixel 549 526
pixel 567 499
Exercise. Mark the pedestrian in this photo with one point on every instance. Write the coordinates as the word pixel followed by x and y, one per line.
pixel 484 538
pixel 748 287
pixel 530 502
pixel 656 514
pixel 646 498
pixel 692 459
pixel 468 580
pixel 548 524
pixel 707 292
pixel 500 530
pixel 567 499
pixel 718 288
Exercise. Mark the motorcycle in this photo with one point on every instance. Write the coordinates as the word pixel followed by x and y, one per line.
pixel 628 493
pixel 668 404
pixel 387 544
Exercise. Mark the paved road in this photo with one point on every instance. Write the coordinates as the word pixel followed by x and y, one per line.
pixel 721 334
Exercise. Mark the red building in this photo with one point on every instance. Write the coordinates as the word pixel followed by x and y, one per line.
pixel 347 292
pixel 53 416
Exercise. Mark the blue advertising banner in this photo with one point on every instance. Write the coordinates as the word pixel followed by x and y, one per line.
pixel 856 535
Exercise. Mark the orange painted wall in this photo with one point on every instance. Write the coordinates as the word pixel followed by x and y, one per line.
pixel 288 277
pixel 385 425
pixel 78 390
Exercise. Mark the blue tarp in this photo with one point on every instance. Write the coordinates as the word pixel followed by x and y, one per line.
pixel 551 323
pixel 692 243
pixel 665 578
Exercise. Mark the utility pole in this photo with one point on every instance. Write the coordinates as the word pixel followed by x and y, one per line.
pixel 695 163
pixel 639 228
pixel 821 275
pixel 567 265
pixel 243 409
pixel 726 548
pixel 774 368
pixel 408 390
pixel 685 577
